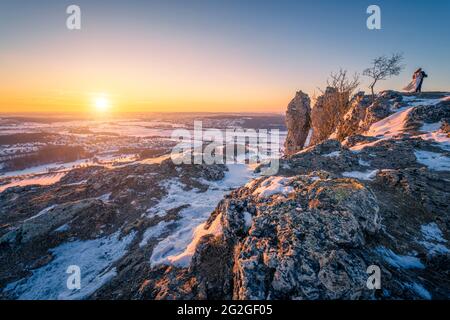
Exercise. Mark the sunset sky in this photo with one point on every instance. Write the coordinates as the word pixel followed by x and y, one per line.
pixel 209 55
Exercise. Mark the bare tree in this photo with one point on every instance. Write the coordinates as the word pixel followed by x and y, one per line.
pixel 340 88
pixel 333 103
pixel 383 68
pixel 342 82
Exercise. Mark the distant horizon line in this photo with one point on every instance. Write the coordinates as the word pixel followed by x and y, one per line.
pixel 81 113
pixel 114 113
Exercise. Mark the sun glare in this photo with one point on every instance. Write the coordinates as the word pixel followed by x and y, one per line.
pixel 101 103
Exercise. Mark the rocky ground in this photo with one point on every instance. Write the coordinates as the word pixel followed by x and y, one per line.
pixel 334 209
pixel 375 192
pixel 88 204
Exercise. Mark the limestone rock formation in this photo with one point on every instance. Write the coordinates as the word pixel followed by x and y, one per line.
pixel 332 211
pixel 278 254
pixel 352 119
pixel 327 113
pixel 383 106
pixel 298 122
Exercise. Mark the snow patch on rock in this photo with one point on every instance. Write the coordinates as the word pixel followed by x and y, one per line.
pixel 362 175
pixel 94 257
pixel 178 247
pixel 433 160
pixel 273 185
pixel 391 126
pixel 419 289
pixel 154 232
pixel 433 241
pixel 399 261
pixel 333 154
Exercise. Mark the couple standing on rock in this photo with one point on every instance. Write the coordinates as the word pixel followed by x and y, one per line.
pixel 416 84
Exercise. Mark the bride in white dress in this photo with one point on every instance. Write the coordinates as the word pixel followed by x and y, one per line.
pixel 416 83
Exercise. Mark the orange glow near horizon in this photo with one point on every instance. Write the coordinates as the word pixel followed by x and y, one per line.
pixel 186 99
pixel 34 96
pixel 67 104
pixel 154 77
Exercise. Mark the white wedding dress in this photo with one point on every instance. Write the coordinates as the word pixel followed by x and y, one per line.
pixel 414 84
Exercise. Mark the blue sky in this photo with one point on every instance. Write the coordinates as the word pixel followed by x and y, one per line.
pixel 262 46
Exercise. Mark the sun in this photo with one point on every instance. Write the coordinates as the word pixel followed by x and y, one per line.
pixel 101 103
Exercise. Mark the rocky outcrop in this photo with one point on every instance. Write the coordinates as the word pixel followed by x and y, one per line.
pixel 277 255
pixel 334 118
pixel 333 210
pixel 428 114
pixel 384 105
pixel 350 123
pixel 86 205
pixel 314 235
pixel 51 218
pixel 298 122
pixel 327 113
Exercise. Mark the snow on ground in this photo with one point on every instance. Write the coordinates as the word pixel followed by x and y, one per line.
pixel 154 232
pixel 94 257
pixel 42 212
pixel 103 160
pixel 433 241
pixel 433 133
pixel 391 126
pixel 177 248
pixel 308 138
pixel 63 228
pixel 399 261
pixel 439 138
pixel 394 125
pixel 333 154
pixel 433 160
pixel 176 197
pixel 363 163
pixel 79 183
pixel 184 258
pixel 273 185
pixel 430 127
pixel 51 173
pixel 415 101
pixel 45 168
pixel 129 127
pixel 156 160
pixel 248 219
pixel 432 232
pixel 43 180
pixel 419 289
pixel 385 129
pixel 362 175
pixel 105 197
pixel 358 147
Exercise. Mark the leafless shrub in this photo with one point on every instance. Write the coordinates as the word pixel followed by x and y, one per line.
pixel 333 103
pixel 342 82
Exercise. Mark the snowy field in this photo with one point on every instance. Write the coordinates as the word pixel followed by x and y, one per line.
pixel 109 142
